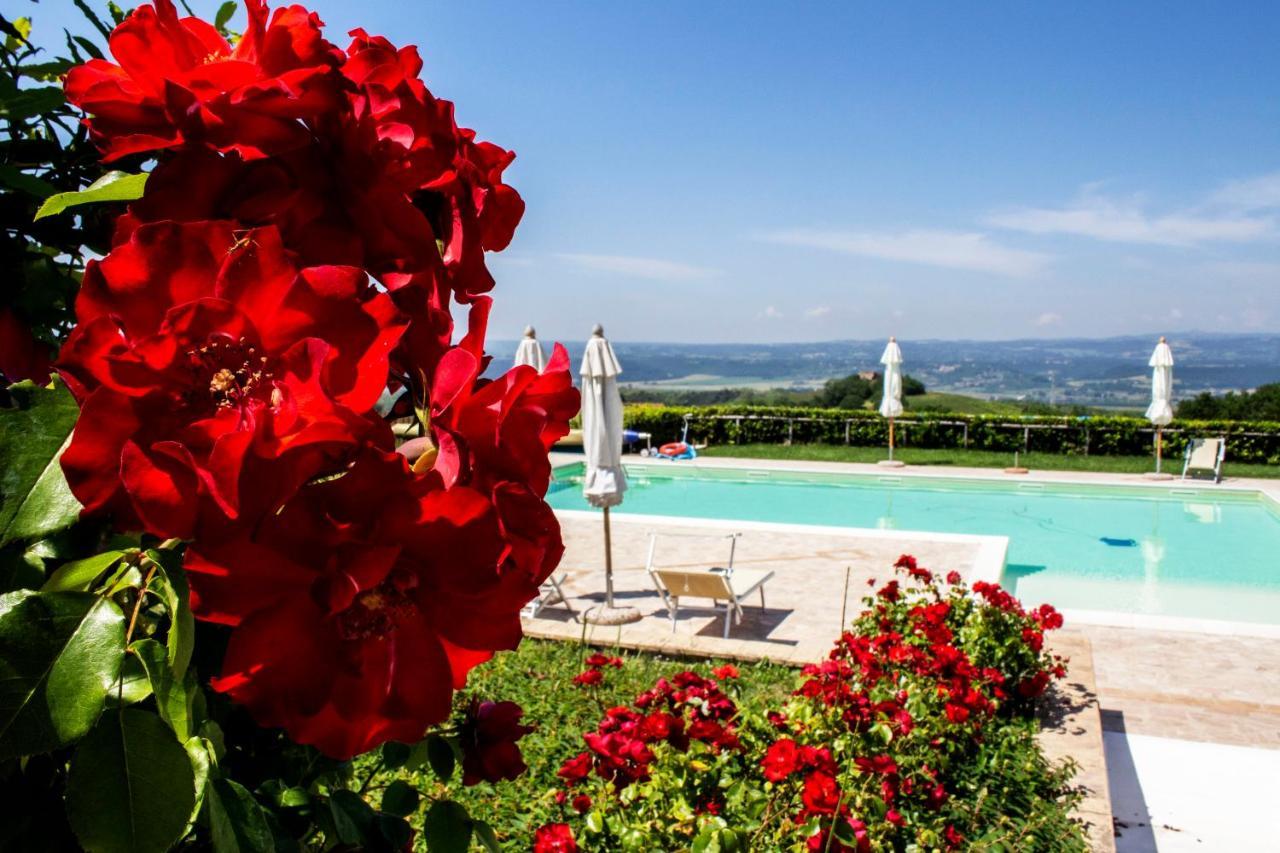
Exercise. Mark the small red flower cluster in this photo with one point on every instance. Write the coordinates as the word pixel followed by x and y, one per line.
pixel 314 214
pixel 593 674
pixel 676 711
pixel 903 657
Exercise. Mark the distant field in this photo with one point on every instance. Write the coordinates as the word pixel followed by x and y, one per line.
pixel 974 459
pixel 938 401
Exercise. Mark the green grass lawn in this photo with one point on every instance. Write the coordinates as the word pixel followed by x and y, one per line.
pixel 539 677
pixel 976 459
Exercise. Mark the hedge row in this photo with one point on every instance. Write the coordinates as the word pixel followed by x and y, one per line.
pixel 1247 441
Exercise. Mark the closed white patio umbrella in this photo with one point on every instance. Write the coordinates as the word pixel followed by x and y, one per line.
pixel 1160 412
pixel 891 402
pixel 605 481
pixel 530 351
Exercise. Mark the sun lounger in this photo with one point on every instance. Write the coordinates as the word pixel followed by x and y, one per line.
pixel 548 594
pixel 722 584
pixel 1205 455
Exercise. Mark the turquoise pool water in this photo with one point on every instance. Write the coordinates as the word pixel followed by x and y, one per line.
pixel 1199 552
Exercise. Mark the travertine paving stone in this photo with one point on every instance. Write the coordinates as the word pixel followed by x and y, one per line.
pixel 804 599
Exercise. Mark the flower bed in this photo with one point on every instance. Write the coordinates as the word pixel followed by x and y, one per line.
pixel 915 731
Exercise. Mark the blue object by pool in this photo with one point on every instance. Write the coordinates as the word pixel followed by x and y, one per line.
pixel 1193 552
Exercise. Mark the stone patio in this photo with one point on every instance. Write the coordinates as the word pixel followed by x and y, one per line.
pixel 805 599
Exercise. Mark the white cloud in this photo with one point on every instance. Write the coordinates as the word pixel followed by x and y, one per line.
pixel 1125 220
pixel 818 312
pixel 654 269
pixel 771 313
pixel 1048 318
pixel 1260 193
pixel 951 249
pixel 507 259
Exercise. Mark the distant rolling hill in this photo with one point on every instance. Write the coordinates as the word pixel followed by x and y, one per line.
pixel 1089 371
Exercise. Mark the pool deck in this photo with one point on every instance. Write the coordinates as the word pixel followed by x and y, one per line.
pixel 1271 488
pixel 1175 682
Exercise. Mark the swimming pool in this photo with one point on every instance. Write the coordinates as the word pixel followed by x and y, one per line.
pixel 1198 552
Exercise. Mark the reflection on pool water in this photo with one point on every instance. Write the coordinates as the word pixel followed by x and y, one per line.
pixel 1200 551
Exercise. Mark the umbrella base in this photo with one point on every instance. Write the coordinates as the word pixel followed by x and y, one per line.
pixel 1017 470
pixel 1157 475
pixel 891 463
pixel 605 615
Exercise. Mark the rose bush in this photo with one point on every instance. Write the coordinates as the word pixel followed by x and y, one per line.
pixel 215 565
pixel 915 733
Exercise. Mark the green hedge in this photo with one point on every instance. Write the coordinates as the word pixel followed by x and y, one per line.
pixel 1247 441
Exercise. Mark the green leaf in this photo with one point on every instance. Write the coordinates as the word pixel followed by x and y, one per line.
pixel 200 751
pixel 28 103
pixel 182 624
pixel 88 12
pixel 395 754
pixel 34 498
pixel 487 837
pixel 59 654
pixel 395 830
pixel 131 787
pixel 447 828
pixel 223 16
pixel 79 575
pixel 20 568
pixel 237 821
pixel 173 697
pixel 352 816
pixel 15 178
pixel 132 687
pixel 400 799
pixel 46 72
pixel 89 47
pixel 113 186
pixel 441 757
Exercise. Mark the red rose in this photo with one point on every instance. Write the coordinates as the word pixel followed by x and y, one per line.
pixel 1034 686
pixel 179 81
pixel 361 606
pixel 575 769
pixel 725 672
pixel 554 838
pixel 581 804
pixel 781 760
pixel 203 358
pixel 588 678
pixel 821 795
pixel 488 735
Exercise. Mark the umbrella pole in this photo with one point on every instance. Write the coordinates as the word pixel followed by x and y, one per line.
pixel 608 562
pixel 1158 448
pixel 890 439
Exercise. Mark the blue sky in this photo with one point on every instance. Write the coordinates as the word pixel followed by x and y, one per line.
pixel 812 171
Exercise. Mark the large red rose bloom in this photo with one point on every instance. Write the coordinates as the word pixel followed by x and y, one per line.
pixel 178 80
pixel 202 351
pixel 360 606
